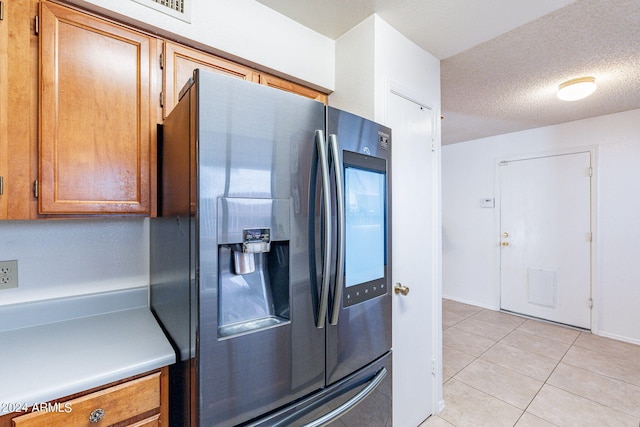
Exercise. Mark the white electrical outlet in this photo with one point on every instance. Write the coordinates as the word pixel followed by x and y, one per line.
pixel 8 274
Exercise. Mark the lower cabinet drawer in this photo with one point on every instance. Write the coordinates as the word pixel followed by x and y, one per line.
pixel 102 408
pixel 148 422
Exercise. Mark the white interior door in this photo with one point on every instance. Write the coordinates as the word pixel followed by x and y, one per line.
pixel 545 219
pixel 412 243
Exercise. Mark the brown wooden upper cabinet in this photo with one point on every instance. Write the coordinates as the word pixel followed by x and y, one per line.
pixel 96 121
pixel 283 84
pixel 180 61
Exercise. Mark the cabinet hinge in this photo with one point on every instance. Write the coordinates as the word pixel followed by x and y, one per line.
pixel 1 185
pixel 590 171
pixel 590 302
pixel 433 366
pixel 161 60
pixel 590 237
pixel 37 25
pixel 1 11
pixel 162 99
pixel 36 189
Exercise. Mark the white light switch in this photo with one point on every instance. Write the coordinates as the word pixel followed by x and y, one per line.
pixel 488 202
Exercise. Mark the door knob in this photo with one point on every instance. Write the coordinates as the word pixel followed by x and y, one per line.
pixel 400 289
pixel 505 243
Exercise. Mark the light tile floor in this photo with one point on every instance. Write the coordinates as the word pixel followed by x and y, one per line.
pixel 505 370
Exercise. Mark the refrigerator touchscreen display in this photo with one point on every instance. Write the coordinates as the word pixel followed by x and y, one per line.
pixel 365 229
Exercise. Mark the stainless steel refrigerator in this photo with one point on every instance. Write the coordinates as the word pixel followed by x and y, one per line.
pixel 271 259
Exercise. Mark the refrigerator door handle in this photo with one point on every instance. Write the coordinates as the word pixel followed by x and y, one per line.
pixel 337 170
pixel 326 195
pixel 349 404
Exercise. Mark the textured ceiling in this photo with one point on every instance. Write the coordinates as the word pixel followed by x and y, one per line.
pixel 508 83
pixel 502 60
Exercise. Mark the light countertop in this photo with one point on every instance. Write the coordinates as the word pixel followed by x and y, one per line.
pixel 48 361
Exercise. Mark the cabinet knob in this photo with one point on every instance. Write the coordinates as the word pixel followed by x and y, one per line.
pixel 96 415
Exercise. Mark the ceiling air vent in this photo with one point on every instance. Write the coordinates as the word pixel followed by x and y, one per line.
pixel 180 9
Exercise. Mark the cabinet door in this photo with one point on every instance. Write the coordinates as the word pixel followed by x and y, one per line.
pixel 282 84
pixel 18 109
pixel 4 103
pixel 179 63
pixel 95 115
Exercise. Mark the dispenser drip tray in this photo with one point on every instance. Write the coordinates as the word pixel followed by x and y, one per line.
pixel 250 326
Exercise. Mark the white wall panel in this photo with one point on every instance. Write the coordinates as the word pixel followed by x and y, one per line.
pixel 402 65
pixel 355 72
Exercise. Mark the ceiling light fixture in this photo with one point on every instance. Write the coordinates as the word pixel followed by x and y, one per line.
pixel 575 89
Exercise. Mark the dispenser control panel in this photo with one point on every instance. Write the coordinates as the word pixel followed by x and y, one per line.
pixel 255 240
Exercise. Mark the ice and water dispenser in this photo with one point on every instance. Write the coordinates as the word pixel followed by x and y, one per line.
pixel 253 264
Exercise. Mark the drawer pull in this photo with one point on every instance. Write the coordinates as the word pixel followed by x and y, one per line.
pixel 96 415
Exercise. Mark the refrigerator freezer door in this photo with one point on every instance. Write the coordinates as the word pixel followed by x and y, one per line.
pixel 361 399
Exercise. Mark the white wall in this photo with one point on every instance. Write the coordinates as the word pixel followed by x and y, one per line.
pixel 59 258
pixel 373 58
pixel 403 66
pixel 244 30
pixel 470 235
pixel 355 70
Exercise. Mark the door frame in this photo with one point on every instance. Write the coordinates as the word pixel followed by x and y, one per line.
pixel 393 88
pixel 594 151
